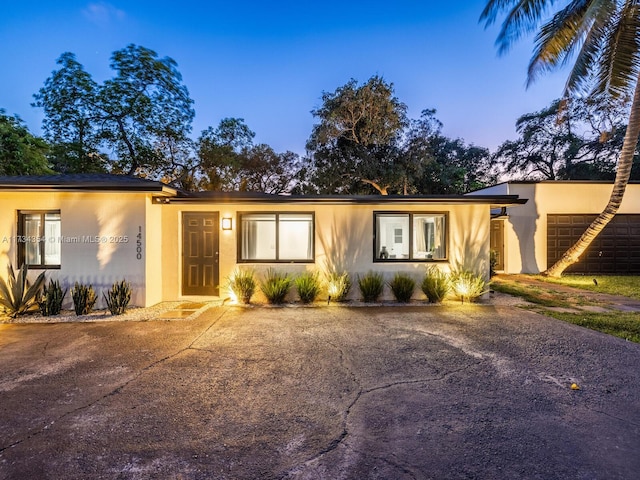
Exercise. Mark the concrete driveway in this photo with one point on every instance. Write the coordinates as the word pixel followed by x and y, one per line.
pixel 454 392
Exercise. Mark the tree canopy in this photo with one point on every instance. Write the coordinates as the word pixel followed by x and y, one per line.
pixel 364 143
pixel 230 161
pixel 143 105
pixel 21 153
pixel 571 139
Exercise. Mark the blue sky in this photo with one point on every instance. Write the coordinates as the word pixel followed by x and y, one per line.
pixel 269 62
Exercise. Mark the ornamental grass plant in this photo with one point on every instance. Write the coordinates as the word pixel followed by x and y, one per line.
pixel 468 286
pixel 275 286
pixel 338 286
pixel 371 286
pixel 402 286
pixel 308 286
pixel 242 285
pixel 436 285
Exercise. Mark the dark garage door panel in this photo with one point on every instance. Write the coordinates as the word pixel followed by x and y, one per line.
pixel 615 250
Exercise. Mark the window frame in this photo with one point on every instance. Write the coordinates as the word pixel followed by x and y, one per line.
pixel 277 214
pixel 411 215
pixel 21 239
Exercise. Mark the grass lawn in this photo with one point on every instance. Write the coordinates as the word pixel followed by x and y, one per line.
pixel 620 324
pixel 626 285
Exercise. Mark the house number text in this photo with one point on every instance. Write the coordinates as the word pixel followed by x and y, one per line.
pixel 139 243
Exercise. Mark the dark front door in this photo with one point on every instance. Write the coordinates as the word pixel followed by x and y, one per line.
pixel 497 243
pixel 200 253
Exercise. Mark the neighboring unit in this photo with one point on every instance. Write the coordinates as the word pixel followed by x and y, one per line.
pixel 530 238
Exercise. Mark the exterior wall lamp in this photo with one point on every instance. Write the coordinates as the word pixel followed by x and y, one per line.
pixel 227 223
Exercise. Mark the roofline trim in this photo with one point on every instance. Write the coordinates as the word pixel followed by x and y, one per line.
pixel 94 187
pixel 494 200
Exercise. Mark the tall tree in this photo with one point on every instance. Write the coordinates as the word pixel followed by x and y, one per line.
pixel 21 153
pixel 574 139
pixel 435 164
pixel 602 38
pixel 220 149
pixel 143 105
pixel 353 147
pixel 229 161
pixel 70 118
pixel 144 102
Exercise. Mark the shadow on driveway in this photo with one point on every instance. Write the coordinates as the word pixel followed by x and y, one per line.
pixel 451 392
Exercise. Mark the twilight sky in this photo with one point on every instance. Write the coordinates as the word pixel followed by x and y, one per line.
pixel 269 62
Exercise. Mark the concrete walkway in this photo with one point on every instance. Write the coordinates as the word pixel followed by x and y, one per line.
pixel 454 392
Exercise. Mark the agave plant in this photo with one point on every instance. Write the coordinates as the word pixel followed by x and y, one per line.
pixel 17 294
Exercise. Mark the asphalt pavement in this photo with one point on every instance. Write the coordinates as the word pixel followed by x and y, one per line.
pixel 427 392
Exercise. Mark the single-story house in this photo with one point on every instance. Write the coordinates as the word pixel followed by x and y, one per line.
pixel 530 238
pixel 172 245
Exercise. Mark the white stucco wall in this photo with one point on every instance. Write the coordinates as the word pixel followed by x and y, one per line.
pixel 343 240
pixel 526 227
pixel 99 238
pixel 151 245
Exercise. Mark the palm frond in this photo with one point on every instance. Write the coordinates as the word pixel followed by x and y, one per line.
pixel 588 55
pixel 558 38
pixel 620 61
pixel 523 18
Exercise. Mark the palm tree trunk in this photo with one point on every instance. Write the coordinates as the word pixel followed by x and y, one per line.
pixel 623 172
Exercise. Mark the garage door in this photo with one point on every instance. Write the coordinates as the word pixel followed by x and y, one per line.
pixel 615 250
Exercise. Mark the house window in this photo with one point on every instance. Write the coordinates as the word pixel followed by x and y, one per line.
pixel 410 236
pixel 39 239
pixel 276 237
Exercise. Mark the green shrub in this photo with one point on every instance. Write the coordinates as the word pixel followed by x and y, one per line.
pixel 308 286
pixel 17 294
pixel 468 286
pixel 84 298
pixel 275 286
pixel 242 284
pixel 371 286
pixel 493 261
pixel 338 286
pixel 50 301
pixel 436 285
pixel 402 286
pixel 118 297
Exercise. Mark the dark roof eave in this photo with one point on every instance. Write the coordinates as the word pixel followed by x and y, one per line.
pixel 493 200
pixel 98 187
pixel 98 182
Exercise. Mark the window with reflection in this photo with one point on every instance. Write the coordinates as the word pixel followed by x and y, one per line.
pixel 39 239
pixel 276 237
pixel 410 236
